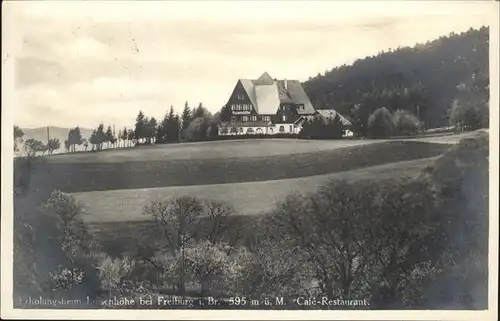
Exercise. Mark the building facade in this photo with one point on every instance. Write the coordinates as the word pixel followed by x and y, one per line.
pixel 266 106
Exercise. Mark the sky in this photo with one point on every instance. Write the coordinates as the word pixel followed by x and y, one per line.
pixel 82 63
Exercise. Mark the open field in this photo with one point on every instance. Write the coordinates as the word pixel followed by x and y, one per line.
pixel 85 177
pixel 248 198
pixel 114 193
pixel 230 149
pixel 116 219
pixel 209 150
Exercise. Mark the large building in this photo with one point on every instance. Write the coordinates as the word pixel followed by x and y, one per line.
pixel 266 106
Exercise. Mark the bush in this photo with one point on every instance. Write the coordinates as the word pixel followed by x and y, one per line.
pixel 320 128
pixel 113 272
pixel 351 236
pixel 186 242
pixel 461 241
pixel 204 261
pixel 198 129
pixel 73 237
pixel 405 123
pixel 65 279
pixel 467 116
pixel 273 269
pixel 380 123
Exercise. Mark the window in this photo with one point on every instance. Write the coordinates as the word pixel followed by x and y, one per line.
pixel 244 118
pixel 284 118
pixel 250 131
pixel 254 118
pixel 291 129
pixel 266 118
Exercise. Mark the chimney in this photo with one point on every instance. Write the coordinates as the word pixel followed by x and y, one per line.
pixel 286 84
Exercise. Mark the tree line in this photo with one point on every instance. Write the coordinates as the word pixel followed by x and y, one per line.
pixel 194 124
pixel 33 146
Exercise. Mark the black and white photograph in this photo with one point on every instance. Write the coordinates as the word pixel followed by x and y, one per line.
pixel 250 159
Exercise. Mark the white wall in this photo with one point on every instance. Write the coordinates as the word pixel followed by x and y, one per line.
pixel 288 129
pixel 269 130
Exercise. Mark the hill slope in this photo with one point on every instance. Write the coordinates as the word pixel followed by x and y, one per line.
pixel 424 79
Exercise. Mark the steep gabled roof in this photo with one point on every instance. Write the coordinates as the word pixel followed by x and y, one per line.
pixel 266 94
pixel 250 90
pixel 331 113
pixel 263 80
pixel 298 96
pixel 268 99
pixel 283 93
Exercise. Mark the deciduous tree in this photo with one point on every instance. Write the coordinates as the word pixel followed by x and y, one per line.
pixel 53 145
pixel 18 138
pixel 33 146
pixel 380 123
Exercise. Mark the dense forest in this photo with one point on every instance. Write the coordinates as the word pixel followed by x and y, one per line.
pixel 424 80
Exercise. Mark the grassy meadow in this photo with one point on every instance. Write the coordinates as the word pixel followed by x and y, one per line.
pixel 74 177
pixel 251 175
pixel 114 193
pixel 248 198
pixel 117 221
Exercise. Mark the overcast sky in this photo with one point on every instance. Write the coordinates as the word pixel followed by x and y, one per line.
pixel 81 63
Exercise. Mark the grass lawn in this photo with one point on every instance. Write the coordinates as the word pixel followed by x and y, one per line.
pixel 85 177
pixel 114 193
pixel 248 198
pixel 119 225
pixel 208 150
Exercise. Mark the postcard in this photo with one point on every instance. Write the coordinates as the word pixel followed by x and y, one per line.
pixel 250 160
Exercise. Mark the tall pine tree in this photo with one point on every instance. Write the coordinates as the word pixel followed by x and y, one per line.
pixel 186 118
pixel 140 127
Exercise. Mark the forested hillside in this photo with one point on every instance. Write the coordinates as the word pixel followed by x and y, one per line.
pixel 425 80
